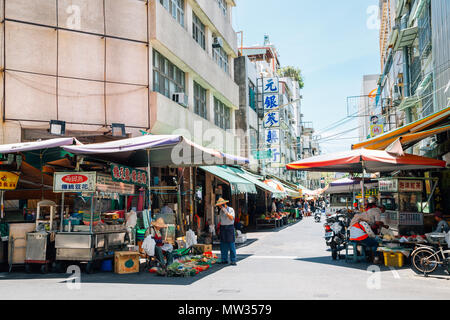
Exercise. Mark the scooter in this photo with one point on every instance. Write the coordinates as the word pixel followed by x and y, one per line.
pixel 336 233
pixel 317 216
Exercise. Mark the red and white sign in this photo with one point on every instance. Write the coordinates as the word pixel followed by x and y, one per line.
pixel 410 186
pixel 74 182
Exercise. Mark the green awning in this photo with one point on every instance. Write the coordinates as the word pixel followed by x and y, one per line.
pixel 238 185
pixel 254 179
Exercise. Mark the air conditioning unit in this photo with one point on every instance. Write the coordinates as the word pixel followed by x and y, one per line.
pixel 217 42
pixel 180 98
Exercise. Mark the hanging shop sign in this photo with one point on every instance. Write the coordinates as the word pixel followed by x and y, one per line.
pixel 410 186
pixel 376 130
pixel 106 184
pixel 74 182
pixel 368 193
pixel 388 185
pixel 128 175
pixel 8 180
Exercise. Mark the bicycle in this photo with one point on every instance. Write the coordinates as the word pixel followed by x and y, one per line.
pixel 426 258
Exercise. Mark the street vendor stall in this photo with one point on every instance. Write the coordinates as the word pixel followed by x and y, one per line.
pixel 22 187
pixel 403 198
pixel 90 235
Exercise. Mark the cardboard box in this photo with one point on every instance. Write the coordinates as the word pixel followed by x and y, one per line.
pixel 202 248
pixel 126 262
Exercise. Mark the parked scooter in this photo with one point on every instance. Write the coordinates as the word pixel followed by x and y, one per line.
pixel 317 216
pixel 336 229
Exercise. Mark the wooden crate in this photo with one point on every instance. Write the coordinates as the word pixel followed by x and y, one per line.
pixel 202 248
pixel 126 262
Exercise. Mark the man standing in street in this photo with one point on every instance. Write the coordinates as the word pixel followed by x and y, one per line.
pixel 227 233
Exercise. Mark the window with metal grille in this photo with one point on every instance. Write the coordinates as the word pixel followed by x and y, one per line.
pixel 221 58
pixel 222 115
pixel 223 6
pixel 167 78
pixel 200 100
pixel 198 31
pixel 176 9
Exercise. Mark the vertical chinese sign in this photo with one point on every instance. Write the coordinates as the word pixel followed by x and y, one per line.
pixel 271 103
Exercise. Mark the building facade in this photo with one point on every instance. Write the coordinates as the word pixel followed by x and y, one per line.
pixel 414 46
pixel 162 66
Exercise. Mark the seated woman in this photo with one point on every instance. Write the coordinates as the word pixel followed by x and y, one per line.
pixel 155 231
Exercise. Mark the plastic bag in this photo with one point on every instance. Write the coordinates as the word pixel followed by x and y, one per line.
pixel 167 247
pixel 149 246
pixel 191 238
pixel 212 230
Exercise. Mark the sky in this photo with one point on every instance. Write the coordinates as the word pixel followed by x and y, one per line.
pixel 334 43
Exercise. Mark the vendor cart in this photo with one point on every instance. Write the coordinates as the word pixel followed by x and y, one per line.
pixel 406 203
pixel 41 242
pixel 92 241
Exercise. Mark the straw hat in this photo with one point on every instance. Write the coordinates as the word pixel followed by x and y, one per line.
pixel 159 223
pixel 221 201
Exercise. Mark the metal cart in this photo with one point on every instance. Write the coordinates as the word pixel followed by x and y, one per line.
pixel 40 243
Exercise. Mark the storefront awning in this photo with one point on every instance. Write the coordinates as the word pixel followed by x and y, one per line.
pixel 165 151
pixel 36 145
pixel 382 141
pixel 238 185
pixel 258 183
pixel 412 138
pixel 347 185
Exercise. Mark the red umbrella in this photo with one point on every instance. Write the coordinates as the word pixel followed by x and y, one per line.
pixel 364 160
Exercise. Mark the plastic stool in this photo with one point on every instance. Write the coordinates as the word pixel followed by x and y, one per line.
pixel 354 257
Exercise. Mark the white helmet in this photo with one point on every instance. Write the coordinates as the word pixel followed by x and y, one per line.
pixel 371 200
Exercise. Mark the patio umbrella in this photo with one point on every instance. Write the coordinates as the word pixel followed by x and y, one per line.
pixel 364 160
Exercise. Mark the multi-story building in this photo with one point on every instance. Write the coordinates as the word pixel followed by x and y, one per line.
pixel 256 63
pixel 413 96
pixel 161 66
pixel 246 117
pixel 414 46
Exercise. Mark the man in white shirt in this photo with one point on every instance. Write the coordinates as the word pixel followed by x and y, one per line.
pixel 227 232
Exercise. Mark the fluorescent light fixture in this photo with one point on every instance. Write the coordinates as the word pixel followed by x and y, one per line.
pixel 118 130
pixel 57 127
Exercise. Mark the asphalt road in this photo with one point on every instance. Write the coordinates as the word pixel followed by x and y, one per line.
pixel 290 263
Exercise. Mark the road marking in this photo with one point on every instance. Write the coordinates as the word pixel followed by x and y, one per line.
pixel 274 257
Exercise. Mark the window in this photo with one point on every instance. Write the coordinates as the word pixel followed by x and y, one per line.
pixel 198 31
pixel 223 6
pixel 200 100
pixel 175 8
pixel 222 115
pixel 167 78
pixel 221 58
pixel 251 96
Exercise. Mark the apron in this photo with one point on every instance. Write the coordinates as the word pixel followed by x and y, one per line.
pixel 227 234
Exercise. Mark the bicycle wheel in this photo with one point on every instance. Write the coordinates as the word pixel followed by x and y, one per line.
pixel 424 260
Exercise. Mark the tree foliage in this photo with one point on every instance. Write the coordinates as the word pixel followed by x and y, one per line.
pixel 294 73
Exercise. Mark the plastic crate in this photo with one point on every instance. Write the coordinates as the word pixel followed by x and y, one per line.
pixel 393 259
